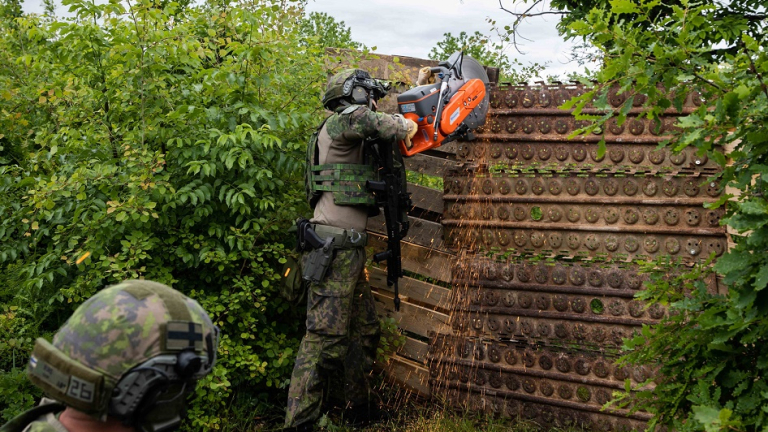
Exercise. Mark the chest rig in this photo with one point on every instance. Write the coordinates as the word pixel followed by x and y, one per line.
pixel 347 182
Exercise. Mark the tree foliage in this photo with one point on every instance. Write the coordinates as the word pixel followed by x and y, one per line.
pixel 713 353
pixel 145 140
pixel 481 48
pixel 323 29
pixel 477 46
pixel 10 9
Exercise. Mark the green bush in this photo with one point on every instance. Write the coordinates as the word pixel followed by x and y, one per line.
pixel 713 350
pixel 161 142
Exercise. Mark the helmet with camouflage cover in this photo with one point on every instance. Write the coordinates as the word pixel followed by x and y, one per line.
pixel 352 87
pixel 133 351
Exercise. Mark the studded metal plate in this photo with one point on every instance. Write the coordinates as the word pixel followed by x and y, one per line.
pixel 548 235
pixel 516 127
pixel 513 374
pixel 545 99
pixel 603 189
pixel 526 130
pixel 566 278
pixel 554 363
pixel 556 329
pixel 571 243
pixel 483 274
pixel 586 217
pixel 605 308
pixel 553 156
pixel 514 405
pixel 620 216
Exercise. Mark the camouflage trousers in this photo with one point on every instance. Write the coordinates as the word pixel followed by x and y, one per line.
pixel 341 339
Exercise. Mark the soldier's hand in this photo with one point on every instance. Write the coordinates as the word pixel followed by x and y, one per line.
pixel 425 76
pixel 412 127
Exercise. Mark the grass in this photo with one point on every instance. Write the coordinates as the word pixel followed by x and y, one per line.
pixel 409 414
pixel 428 419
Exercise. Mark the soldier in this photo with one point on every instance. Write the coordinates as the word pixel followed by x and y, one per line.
pixel 124 361
pixel 342 325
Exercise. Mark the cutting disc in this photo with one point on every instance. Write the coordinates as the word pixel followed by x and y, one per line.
pixel 472 69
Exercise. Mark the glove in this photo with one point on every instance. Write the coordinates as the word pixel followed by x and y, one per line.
pixel 425 76
pixel 411 128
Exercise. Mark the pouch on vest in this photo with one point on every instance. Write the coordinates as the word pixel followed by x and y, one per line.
pixel 345 182
pixel 292 288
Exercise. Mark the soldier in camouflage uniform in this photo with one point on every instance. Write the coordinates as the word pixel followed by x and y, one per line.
pixel 124 361
pixel 342 325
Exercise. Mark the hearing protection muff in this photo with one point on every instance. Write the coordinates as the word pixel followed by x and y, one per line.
pixel 359 96
pixel 149 396
pixel 361 88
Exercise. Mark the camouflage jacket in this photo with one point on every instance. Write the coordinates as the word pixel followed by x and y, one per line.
pixel 47 423
pixel 340 142
pixel 42 418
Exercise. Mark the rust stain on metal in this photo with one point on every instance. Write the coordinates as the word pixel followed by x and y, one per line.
pixel 548 235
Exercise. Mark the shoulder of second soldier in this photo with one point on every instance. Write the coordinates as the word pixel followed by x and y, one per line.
pixel 362 120
pixel 366 117
pixel 362 112
pixel 350 117
pixel 40 425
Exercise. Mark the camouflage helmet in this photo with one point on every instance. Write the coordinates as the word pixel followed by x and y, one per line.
pixel 132 351
pixel 353 85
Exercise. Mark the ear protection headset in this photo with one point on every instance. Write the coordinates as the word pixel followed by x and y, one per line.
pixel 361 88
pixel 149 396
pixel 140 391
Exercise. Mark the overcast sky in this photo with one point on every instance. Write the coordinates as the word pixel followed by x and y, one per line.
pixel 412 28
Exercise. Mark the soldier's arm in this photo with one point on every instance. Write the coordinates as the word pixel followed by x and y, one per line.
pixel 365 123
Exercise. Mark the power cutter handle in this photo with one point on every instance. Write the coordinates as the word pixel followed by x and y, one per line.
pixel 439 69
pixel 440 104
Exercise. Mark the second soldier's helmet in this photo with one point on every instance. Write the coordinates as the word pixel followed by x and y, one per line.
pixel 354 86
pixel 133 351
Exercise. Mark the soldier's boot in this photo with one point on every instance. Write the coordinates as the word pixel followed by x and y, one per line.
pixel 365 415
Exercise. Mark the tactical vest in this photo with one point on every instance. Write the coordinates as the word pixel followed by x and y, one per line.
pixel 347 182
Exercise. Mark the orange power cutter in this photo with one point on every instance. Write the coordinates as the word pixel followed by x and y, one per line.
pixel 448 110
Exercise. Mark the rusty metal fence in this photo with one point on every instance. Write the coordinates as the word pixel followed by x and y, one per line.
pixel 547 235
pixel 522 272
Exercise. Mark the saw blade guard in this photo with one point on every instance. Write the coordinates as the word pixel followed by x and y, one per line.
pixel 470 69
pixel 458 104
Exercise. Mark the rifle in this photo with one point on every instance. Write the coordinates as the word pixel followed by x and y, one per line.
pixel 391 193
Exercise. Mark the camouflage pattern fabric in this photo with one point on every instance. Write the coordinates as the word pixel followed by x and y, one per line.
pixel 340 141
pixel 335 88
pixel 42 418
pixel 123 326
pixel 47 423
pixel 363 123
pixel 341 339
